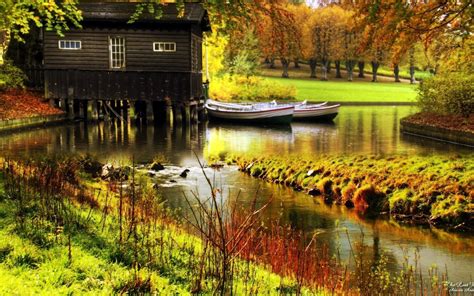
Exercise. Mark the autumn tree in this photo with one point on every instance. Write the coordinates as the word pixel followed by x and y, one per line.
pixel 328 26
pixel 278 34
pixel 404 23
pixel 18 17
pixel 310 42
pixel 301 12
pixel 351 45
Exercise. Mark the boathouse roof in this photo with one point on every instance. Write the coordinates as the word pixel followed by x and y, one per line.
pixel 120 12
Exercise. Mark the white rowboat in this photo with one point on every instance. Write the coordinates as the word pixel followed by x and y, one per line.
pixel 269 115
pixel 322 113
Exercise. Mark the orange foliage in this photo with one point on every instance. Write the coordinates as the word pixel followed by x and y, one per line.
pixel 20 104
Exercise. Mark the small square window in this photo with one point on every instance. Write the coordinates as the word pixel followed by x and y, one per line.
pixel 164 46
pixel 69 44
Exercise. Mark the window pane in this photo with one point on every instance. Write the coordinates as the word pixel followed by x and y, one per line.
pixel 117 52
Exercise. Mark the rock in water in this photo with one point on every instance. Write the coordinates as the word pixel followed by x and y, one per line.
pixel 156 166
pixel 107 171
pixel 92 167
pixel 184 174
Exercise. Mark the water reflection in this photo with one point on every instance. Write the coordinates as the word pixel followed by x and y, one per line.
pixel 362 130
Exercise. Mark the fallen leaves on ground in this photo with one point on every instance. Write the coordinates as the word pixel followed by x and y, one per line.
pixel 16 104
pixel 450 122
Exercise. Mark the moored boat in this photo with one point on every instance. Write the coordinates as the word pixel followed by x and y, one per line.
pixel 316 113
pixel 211 102
pixel 266 115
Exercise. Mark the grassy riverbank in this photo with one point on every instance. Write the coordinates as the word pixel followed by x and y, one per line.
pixel 60 233
pixel 69 225
pixel 431 190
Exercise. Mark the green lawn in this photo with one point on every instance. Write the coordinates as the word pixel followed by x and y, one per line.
pixel 344 91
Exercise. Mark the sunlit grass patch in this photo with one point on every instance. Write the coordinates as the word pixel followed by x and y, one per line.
pixel 343 91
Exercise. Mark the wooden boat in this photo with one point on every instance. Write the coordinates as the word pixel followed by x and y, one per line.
pixel 303 110
pixel 251 114
pixel 211 102
pixel 316 113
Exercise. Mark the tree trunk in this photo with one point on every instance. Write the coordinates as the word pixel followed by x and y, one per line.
pixel 350 69
pixel 312 65
pixel 338 69
pixel 396 72
pixel 361 65
pixel 5 37
pixel 329 67
pixel 324 68
pixel 267 61
pixel 375 68
pixel 412 66
pixel 297 63
pixel 285 63
pixel 271 64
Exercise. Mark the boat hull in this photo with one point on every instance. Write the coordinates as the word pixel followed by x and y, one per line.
pixel 316 114
pixel 274 116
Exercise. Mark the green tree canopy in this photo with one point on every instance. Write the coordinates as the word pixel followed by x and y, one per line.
pixel 17 17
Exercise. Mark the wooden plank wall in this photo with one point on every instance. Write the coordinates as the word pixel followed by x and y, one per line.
pixel 118 85
pixel 140 56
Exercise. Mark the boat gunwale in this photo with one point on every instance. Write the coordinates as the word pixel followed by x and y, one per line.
pixel 250 111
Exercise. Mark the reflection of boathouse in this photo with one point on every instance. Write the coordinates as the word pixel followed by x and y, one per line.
pixel 153 64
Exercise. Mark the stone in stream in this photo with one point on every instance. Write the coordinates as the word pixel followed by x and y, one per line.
pixel 92 167
pixel 184 174
pixel 156 166
pixel 107 171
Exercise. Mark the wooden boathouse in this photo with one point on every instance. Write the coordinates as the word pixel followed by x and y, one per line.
pixel 153 64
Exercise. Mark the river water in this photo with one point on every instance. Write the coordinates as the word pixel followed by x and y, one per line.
pixel 356 130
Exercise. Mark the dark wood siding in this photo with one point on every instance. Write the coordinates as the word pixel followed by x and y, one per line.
pixel 140 56
pixel 119 85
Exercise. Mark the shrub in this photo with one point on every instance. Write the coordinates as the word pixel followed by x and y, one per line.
pixel 11 76
pixel 252 88
pixel 447 93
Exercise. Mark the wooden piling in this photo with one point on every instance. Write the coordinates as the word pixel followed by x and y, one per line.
pixel 95 111
pixel 187 114
pixel 194 112
pixel 177 114
pixel 168 112
pixel 70 109
pixel 149 111
pixel 82 106
pixel 63 105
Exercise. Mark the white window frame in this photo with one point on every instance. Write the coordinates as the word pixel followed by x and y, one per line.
pixel 62 44
pixel 162 46
pixel 117 52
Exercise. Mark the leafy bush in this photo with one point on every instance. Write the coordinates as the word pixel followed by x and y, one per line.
pixel 11 76
pixel 448 93
pixel 241 88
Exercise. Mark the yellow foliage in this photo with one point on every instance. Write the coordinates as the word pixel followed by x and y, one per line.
pixel 252 88
pixel 213 54
pixel 324 33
